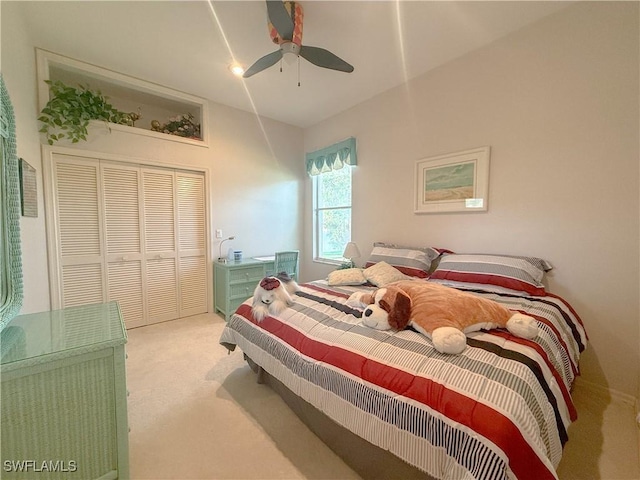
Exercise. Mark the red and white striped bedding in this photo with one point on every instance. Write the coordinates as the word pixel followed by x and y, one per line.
pixel 499 410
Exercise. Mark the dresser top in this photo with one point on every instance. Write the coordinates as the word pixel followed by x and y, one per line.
pixel 61 333
pixel 244 262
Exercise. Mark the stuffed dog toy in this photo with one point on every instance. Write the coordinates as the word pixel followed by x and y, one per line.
pixel 441 313
pixel 273 295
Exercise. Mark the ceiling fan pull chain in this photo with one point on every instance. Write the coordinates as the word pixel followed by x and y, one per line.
pixel 280 64
pixel 298 71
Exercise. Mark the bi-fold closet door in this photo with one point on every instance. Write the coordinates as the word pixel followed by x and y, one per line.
pixel 131 234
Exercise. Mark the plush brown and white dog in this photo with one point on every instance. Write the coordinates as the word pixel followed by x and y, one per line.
pixel 273 295
pixel 441 313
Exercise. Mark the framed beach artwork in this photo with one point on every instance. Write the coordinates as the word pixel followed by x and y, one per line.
pixel 456 182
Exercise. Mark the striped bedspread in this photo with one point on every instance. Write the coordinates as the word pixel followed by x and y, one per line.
pixel 499 410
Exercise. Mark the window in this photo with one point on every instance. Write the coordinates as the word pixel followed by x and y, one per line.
pixel 332 213
pixel 330 170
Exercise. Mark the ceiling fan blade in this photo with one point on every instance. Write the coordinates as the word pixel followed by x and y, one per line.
pixel 280 18
pixel 262 63
pixel 324 58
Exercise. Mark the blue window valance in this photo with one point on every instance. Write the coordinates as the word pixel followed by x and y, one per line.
pixel 333 157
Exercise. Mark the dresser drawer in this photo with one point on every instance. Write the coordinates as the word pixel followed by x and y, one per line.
pixel 235 303
pixel 242 290
pixel 235 282
pixel 246 274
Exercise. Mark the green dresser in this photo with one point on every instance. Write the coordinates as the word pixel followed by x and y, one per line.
pixel 64 395
pixel 234 282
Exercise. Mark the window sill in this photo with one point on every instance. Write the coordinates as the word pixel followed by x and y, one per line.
pixel 327 261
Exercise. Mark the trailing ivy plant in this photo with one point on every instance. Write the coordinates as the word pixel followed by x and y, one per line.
pixel 68 112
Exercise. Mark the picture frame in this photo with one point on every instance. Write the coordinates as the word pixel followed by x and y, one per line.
pixel 28 189
pixel 454 182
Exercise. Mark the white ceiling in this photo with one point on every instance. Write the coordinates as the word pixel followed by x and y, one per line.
pixel 189 45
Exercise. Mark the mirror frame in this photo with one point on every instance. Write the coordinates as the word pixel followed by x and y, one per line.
pixel 11 294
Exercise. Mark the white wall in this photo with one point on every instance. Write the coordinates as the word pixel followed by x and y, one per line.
pixel 558 104
pixel 18 70
pixel 255 166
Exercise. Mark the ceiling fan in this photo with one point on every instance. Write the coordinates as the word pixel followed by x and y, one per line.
pixel 285 29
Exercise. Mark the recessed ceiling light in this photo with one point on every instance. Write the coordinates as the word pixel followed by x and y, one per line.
pixel 236 69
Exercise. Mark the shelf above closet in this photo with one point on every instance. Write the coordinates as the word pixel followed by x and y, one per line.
pixel 128 94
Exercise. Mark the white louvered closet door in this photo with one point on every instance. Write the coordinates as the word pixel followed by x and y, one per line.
pixel 131 234
pixel 159 203
pixel 124 240
pixel 79 231
pixel 191 251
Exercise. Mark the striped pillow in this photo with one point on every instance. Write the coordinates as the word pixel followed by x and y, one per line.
pixel 516 273
pixel 411 261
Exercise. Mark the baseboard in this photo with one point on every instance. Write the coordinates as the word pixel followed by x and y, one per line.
pixel 605 392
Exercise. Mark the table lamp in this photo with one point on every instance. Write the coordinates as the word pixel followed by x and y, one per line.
pixel 220 257
pixel 350 252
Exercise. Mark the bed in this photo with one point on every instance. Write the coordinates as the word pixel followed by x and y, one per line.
pixel 499 410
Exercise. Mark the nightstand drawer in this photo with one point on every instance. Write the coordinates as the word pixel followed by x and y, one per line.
pixel 246 274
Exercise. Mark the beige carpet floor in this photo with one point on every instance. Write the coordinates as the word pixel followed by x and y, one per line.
pixel 197 413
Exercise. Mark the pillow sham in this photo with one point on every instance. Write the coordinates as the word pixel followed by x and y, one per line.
pixel 411 261
pixel 381 273
pixel 347 276
pixel 515 273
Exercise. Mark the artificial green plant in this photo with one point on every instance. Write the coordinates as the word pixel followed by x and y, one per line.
pixel 69 110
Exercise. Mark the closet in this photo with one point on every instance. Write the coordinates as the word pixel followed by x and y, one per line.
pixel 131 233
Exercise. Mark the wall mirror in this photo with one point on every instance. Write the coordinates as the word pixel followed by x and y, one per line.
pixel 10 252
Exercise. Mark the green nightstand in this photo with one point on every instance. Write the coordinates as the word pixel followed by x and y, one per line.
pixel 234 282
pixel 64 395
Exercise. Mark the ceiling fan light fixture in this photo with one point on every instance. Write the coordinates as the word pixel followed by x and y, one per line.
pixel 290 47
pixel 236 69
pixel 285 29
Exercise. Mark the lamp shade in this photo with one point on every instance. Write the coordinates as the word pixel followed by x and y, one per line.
pixel 351 251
